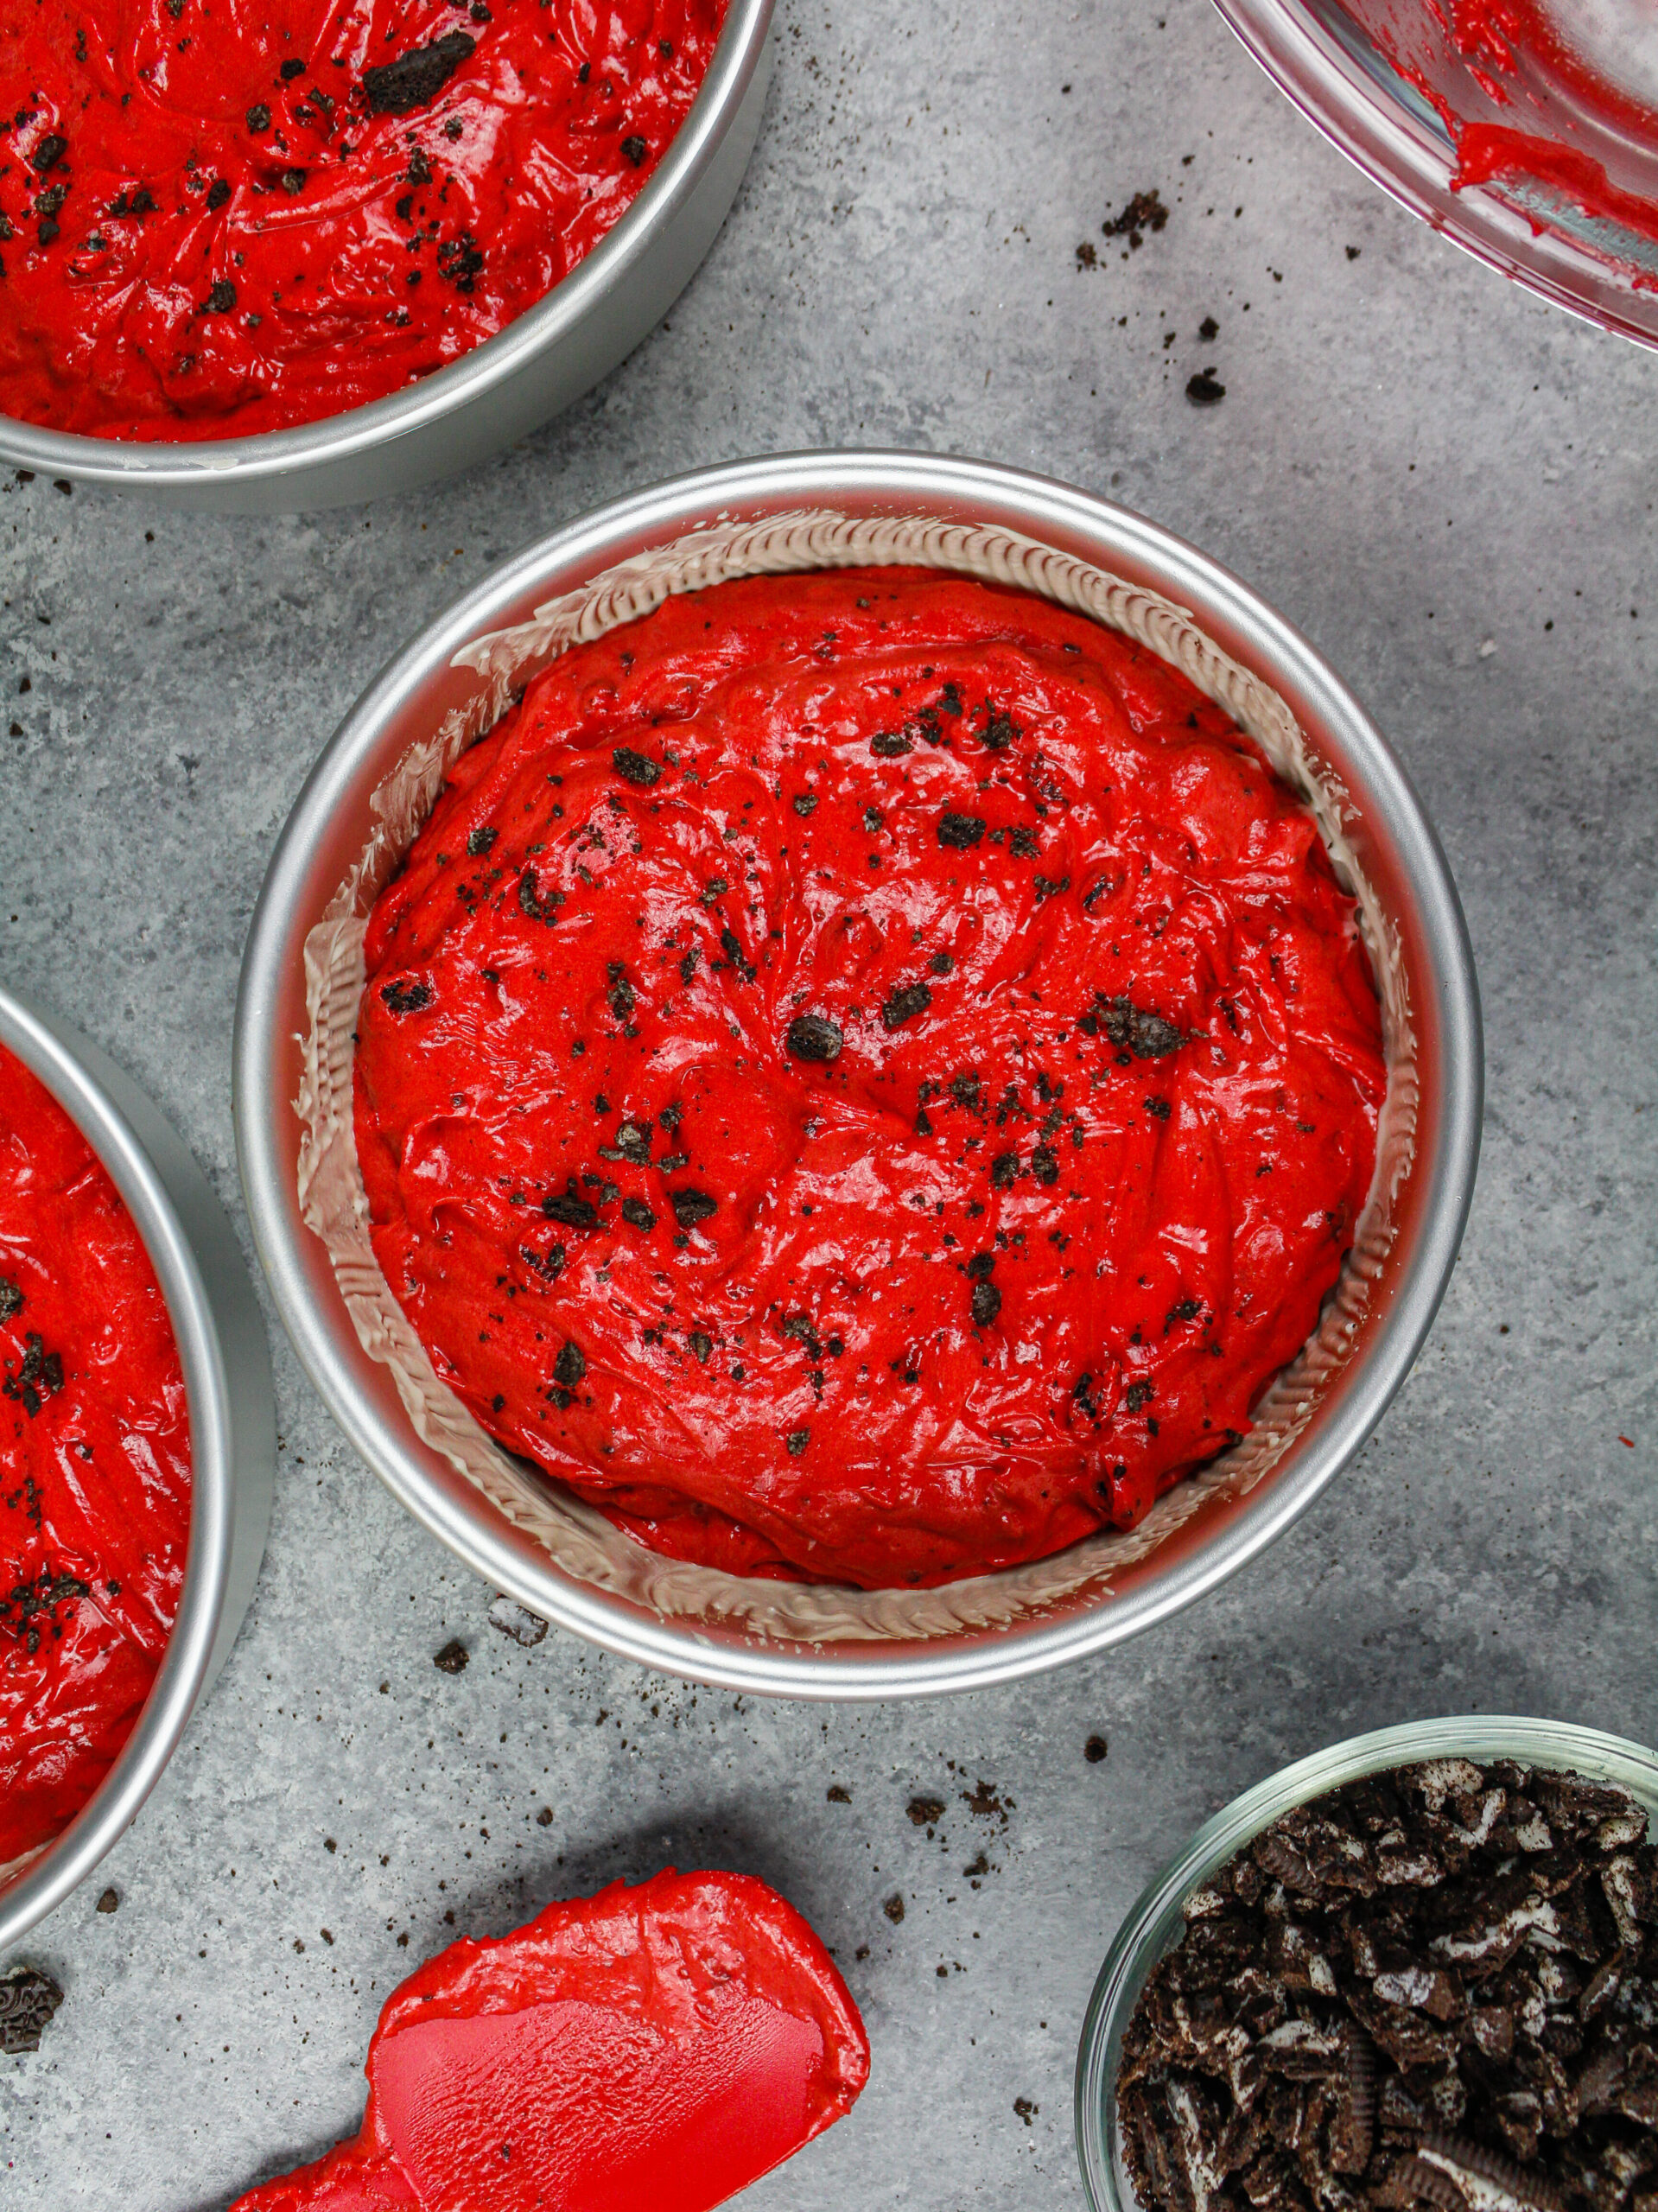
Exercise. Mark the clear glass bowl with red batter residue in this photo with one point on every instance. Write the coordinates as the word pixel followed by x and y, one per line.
pixel 302 979
pixel 1156 1922
pixel 1527 135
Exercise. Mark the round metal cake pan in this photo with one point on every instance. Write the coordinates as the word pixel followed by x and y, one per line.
pixel 1322 60
pixel 226 1361
pixel 1156 1922
pixel 333 818
pixel 502 389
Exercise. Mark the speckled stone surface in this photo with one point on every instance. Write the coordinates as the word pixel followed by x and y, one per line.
pixel 1447 486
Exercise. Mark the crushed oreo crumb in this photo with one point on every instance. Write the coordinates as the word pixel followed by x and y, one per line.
pixel 538 905
pixel 39 1376
pixel 461 262
pixel 813 1037
pixel 566 1207
pixel 1146 1035
pixel 905 1004
pixel 517 1621
pixel 451 1659
pixel 637 768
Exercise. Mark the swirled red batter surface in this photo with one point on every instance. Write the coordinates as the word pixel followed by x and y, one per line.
pixel 865 1077
pixel 216 218
pixel 95 1468
pixel 659 2046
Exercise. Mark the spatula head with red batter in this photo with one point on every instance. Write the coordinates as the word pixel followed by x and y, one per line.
pixel 660 2045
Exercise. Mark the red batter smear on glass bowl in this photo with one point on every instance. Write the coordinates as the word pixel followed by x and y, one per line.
pixel 220 219
pixel 661 2046
pixel 95 1468
pixel 865 1077
pixel 1535 94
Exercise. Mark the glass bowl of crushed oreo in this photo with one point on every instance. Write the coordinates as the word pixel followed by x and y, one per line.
pixel 1419 1970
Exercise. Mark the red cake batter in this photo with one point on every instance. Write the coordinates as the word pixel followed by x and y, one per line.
pixel 218 218
pixel 865 1077
pixel 658 2047
pixel 95 1468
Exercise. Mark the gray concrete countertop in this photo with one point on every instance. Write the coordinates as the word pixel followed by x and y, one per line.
pixel 1450 488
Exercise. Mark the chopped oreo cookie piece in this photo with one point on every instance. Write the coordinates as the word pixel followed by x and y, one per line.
pixel 637 768
pixel 570 1209
pixel 960 832
pixel 28 2000
pixel 416 78
pixel 905 1004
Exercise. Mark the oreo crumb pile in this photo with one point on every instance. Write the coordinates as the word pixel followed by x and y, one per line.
pixel 1434 1987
